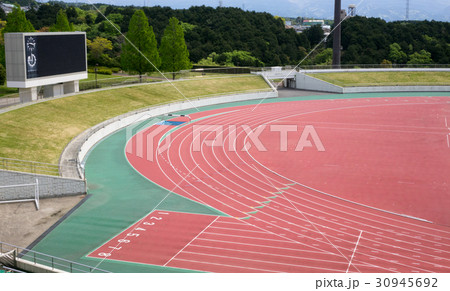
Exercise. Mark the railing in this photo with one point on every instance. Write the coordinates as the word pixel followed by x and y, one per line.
pixel 55 263
pixel 355 66
pixel 114 82
pixel 29 167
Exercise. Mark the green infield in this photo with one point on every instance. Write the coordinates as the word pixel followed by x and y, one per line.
pixel 362 79
pixel 40 132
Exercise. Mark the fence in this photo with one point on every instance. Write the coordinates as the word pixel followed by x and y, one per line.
pixel 30 167
pixel 114 81
pixel 8 196
pixel 103 81
pixel 34 259
pixel 356 66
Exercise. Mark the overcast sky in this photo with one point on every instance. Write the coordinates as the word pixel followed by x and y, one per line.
pixel 387 9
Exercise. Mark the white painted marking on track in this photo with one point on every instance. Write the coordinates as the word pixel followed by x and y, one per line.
pixel 262 261
pixel 269 254
pixel 267 246
pixel 191 240
pixel 354 251
pixel 209 263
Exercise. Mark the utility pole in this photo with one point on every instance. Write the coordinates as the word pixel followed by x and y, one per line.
pixel 337 35
pixel 407 10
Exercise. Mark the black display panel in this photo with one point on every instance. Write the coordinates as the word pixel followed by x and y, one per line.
pixel 48 55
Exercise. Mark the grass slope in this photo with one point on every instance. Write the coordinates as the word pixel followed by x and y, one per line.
pixel 385 78
pixel 41 131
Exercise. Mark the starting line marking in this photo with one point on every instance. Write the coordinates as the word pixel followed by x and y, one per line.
pixel 191 241
pixel 156 238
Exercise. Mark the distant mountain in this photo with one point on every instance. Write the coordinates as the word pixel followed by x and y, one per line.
pixel 388 10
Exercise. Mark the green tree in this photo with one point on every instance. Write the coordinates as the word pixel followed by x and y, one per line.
pixel 420 58
pixel 386 64
pixel 2 14
pixel 16 21
pixel 396 55
pixel 325 57
pixel 62 23
pixel 237 58
pixel 2 75
pixel 98 46
pixel 72 14
pixel 141 47
pixel 173 50
pixel 314 34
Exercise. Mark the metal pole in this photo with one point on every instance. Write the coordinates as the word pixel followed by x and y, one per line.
pixel 337 35
pixel 96 85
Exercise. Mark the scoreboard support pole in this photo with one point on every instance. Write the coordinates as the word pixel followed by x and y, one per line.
pixel 72 87
pixel 53 90
pixel 31 94
pixel 28 94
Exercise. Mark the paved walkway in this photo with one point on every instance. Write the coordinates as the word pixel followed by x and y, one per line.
pixel 21 224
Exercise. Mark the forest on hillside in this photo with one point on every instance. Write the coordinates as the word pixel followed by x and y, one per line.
pixel 232 36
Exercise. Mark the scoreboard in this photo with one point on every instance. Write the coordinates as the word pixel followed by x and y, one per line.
pixel 39 59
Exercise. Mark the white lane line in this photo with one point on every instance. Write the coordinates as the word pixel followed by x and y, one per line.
pixel 306 218
pixel 234 229
pixel 265 246
pixel 270 254
pixel 262 262
pixel 224 265
pixel 446 124
pixel 191 240
pixel 354 251
pixel 252 237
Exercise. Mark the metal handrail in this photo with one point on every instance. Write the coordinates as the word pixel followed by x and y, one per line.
pixel 50 261
pixel 30 166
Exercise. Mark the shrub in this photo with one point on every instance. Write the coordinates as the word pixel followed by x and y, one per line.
pixel 101 70
pixel 2 75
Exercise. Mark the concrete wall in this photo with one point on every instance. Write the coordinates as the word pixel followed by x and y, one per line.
pixel 396 89
pixel 49 186
pixel 375 70
pixel 304 82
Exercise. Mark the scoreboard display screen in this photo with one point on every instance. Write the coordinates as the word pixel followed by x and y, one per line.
pixel 49 55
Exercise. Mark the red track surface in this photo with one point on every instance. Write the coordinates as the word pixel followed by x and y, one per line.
pixel 360 205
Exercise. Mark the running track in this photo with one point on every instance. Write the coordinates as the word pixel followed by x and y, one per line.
pixel 371 202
